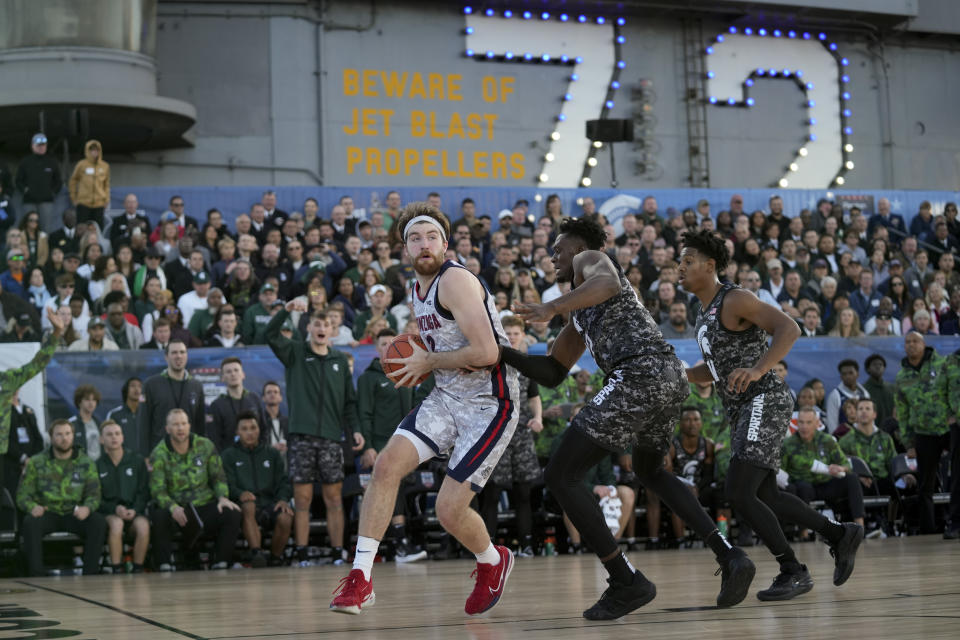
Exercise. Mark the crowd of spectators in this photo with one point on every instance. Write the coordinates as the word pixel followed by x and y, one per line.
pixel 116 282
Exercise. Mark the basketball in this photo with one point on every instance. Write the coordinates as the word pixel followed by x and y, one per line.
pixel 400 348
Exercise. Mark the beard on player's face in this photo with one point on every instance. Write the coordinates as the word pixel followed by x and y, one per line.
pixel 427 263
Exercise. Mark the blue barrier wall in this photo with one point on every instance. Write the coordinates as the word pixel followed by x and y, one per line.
pixel 235 200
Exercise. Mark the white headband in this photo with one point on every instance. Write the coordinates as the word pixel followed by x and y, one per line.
pixel 418 219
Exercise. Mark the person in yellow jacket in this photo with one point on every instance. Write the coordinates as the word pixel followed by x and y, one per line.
pixel 90 184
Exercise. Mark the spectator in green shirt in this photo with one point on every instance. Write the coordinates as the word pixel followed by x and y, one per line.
pixel 125 490
pixel 258 480
pixel 818 468
pixel 60 491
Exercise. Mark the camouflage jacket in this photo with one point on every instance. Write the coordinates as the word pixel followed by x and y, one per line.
pixel 59 485
pixel 877 450
pixel 798 456
pixel 564 393
pixel 195 477
pixel 13 379
pixel 711 411
pixel 921 398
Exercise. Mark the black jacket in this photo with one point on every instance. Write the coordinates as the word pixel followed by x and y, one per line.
pixel 179 278
pixel 223 413
pixel 38 178
pixel 163 394
pixel 60 240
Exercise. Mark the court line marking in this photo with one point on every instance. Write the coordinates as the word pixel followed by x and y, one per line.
pixel 645 613
pixel 129 614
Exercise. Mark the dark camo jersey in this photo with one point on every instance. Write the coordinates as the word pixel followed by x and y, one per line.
pixel 639 403
pixel 758 416
pixel 519 461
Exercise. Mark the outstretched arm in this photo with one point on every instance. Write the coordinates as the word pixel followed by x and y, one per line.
pixel 596 281
pixel 549 370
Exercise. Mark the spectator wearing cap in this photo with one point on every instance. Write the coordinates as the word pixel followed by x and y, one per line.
pixel 15 279
pixel 380 298
pixel 39 181
pixel 20 329
pixel 166 233
pixel 774 283
pixel 193 301
pixel 150 269
pixel 258 315
pixel 89 184
pixel 848 389
pixel 96 338
pixel 124 334
pixel 881 325
pixel 882 393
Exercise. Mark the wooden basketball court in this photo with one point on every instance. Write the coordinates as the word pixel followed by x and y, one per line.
pixel 902 588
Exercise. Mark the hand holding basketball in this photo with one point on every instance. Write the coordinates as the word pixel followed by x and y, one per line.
pixel 406 362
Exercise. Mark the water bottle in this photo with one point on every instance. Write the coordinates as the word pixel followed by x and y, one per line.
pixel 722 525
pixel 549 547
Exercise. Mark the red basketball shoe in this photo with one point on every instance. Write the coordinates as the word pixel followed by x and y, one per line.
pixel 491 580
pixel 353 593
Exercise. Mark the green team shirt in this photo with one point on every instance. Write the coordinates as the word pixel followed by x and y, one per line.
pixel 194 477
pixel 711 412
pixel 877 449
pixel 59 485
pixel 126 483
pixel 921 398
pixel 798 456
pixel 13 379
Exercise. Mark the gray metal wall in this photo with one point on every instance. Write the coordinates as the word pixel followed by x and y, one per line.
pixel 254 82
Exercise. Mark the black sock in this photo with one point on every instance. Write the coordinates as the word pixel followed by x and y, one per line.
pixel 833 531
pixel 718 544
pixel 118 568
pixel 398 531
pixel 788 562
pixel 620 569
pixel 302 554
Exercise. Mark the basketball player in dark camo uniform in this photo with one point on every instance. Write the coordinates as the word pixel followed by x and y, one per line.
pixel 638 406
pixel 732 333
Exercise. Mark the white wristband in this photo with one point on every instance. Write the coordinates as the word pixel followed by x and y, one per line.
pixel 819 467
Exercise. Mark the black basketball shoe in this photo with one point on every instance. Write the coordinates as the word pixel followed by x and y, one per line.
pixel 788 585
pixel 738 571
pixel 844 552
pixel 620 599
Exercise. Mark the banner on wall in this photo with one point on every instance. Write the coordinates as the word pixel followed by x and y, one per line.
pixel 810 358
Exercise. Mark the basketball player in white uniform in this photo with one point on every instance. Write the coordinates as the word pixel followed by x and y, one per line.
pixel 470 414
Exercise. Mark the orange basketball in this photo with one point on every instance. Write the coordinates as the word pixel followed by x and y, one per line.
pixel 400 348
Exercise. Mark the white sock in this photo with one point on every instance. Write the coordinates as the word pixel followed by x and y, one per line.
pixel 490 555
pixel 366 552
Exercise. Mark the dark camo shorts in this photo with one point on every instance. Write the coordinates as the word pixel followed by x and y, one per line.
pixel 519 461
pixel 638 406
pixel 314 459
pixel 757 428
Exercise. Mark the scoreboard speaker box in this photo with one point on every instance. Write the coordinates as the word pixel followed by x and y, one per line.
pixel 610 130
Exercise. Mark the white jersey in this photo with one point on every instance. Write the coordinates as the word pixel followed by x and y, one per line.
pixel 440 332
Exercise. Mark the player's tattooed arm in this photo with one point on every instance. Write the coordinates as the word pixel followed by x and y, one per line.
pixel 740 310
